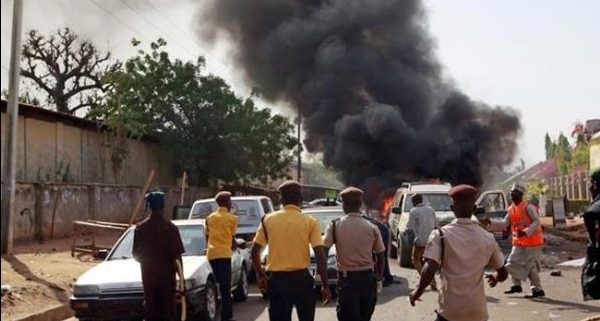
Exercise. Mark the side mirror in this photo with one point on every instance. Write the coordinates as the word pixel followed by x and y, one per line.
pixel 102 254
pixel 479 210
pixel 396 210
pixel 241 243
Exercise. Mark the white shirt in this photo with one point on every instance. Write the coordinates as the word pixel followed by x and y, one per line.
pixel 421 220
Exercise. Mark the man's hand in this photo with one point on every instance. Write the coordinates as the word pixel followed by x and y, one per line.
pixel 325 294
pixel 491 279
pixel 262 282
pixel 415 296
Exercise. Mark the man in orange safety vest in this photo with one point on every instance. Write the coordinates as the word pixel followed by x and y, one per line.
pixel 527 241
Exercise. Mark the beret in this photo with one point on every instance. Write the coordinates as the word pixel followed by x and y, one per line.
pixel 595 174
pixel 518 187
pixel 221 196
pixel 155 200
pixel 289 186
pixel 463 192
pixel 351 193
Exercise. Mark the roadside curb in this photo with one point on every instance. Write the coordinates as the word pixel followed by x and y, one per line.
pixel 56 313
pixel 565 234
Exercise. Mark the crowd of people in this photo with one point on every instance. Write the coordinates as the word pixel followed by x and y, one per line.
pixel 459 252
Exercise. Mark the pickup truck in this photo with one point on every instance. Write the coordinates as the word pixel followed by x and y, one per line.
pixel 490 204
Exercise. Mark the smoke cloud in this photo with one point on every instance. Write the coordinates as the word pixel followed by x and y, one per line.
pixel 364 76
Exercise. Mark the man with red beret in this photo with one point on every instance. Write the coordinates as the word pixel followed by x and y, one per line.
pixel 220 232
pixel 461 251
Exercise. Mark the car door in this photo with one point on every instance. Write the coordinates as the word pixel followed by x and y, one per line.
pixel 494 206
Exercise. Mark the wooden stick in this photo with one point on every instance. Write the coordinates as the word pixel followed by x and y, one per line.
pixel 183 180
pixel 140 201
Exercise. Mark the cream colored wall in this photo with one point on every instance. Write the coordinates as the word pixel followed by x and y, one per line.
pixel 43 146
pixel 595 152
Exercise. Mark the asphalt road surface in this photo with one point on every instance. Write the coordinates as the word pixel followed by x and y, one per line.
pixel 563 302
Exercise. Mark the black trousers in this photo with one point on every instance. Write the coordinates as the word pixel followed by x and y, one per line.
pixel 288 290
pixel 222 270
pixel 159 302
pixel 357 296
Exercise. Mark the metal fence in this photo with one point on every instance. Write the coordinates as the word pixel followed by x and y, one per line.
pixel 574 186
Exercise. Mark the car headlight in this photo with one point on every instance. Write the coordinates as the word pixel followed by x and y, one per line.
pixel 85 289
pixel 331 260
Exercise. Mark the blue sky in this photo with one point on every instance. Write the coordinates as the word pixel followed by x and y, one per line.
pixel 541 57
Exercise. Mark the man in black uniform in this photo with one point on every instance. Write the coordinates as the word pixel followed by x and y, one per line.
pixel 157 246
pixel 356 239
pixel 590 279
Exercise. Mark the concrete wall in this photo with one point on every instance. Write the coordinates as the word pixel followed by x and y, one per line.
pixel 35 204
pixel 47 146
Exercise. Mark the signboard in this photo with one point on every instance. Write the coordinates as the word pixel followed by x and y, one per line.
pixel 559 219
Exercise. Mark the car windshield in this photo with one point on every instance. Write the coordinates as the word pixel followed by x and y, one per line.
pixel 247 211
pixel 325 217
pixel 438 201
pixel 192 237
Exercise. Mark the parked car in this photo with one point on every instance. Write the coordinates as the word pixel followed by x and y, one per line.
pixel 324 215
pixel 249 209
pixel 325 202
pixel 112 290
pixel 491 204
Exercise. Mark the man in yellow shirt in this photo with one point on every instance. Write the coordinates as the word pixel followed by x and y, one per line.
pixel 220 232
pixel 289 233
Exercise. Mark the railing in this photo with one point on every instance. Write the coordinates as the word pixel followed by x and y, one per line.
pixel 574 186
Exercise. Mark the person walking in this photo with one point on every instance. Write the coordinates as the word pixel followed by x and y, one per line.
pixel 287 281
pixel 461 251
pixel 590 277
pixel 527 240
pixel 360 259
pixel 422 220
pixel 220 233
pixel 158 248
pixel 384 231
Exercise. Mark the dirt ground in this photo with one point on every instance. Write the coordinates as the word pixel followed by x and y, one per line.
pixel 41 275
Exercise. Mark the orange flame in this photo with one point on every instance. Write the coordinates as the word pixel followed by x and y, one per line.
pixel 387 206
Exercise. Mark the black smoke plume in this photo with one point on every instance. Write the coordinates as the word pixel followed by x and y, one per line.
pixel 365 78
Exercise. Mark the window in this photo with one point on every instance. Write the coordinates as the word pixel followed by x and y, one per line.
pixel 266 206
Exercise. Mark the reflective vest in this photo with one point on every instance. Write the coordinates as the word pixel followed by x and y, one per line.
pixel 519 221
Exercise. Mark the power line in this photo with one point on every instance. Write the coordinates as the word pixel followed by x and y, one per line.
pixel 118 19
pixel 172 22
pixel 134 10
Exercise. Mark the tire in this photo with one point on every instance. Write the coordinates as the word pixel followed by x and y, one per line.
pixel 241 292
pixel 211 302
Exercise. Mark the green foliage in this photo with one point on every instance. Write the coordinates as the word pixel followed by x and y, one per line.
pixel 550 147
pixel 206 129
pixel 563 154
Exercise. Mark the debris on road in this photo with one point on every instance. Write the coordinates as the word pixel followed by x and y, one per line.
pixel 556 273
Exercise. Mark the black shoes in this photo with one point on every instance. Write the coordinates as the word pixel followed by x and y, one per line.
pixel 514 289
pixel 536 293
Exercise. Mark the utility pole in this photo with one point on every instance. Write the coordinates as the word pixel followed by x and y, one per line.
pixel 10 155
pixel 299 170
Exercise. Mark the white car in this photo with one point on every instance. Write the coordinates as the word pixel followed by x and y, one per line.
pixel 324 215
pixel 112 290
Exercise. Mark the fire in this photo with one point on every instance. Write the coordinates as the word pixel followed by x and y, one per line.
pixel 387 206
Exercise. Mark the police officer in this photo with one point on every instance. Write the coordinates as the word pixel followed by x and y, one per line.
pixel 590 278
pixel 157 246
pixel 461 251
pixel 220 232
pixel 289 233
pixel 356 239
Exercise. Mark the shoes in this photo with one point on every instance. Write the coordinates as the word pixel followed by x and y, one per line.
pixel 536 293
pixel 514 289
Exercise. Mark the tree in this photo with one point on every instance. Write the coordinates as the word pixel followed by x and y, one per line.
pixel 207 130
pixel 67 68
pixel 550 147
pixel 563 155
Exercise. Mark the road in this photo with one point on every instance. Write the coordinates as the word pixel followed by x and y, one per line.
pixel 563 302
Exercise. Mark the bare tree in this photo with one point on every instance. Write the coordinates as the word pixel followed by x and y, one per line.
pixel 70 70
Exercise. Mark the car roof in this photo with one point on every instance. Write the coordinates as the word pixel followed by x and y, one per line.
pixel 322 209
pixel 430 188
pixel 235 198
pixel 186 222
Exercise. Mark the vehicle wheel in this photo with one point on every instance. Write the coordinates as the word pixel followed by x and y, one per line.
pixel 405 256
pixel 211 302
pixel 241 292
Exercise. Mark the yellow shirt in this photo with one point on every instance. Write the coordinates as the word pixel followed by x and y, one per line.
pixel 289 234
pixel 220 229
